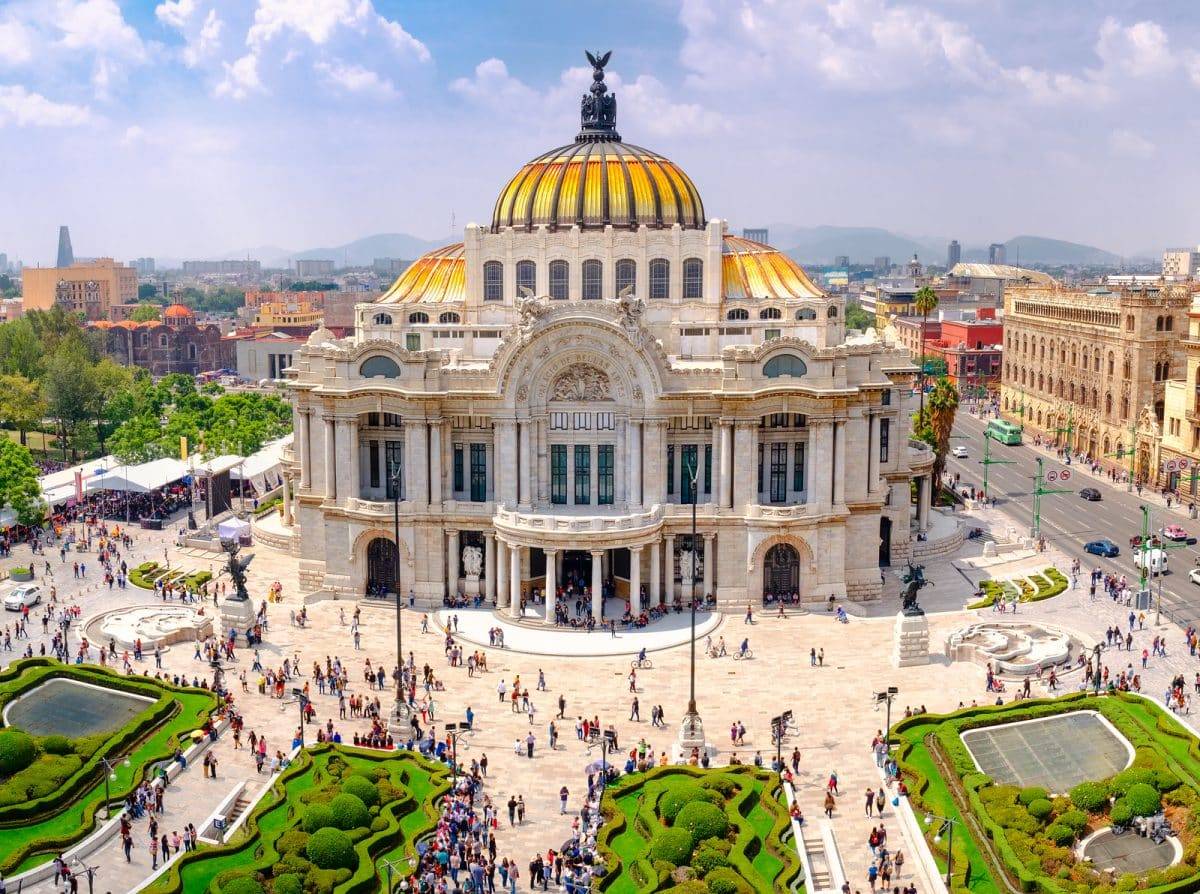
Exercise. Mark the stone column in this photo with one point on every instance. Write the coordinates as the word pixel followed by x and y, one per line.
pixel 621 463
pixel 635 465
pixel 303 436
pixel 435 462
pixel 654 463
pixel 669 569
pixel 551 583
pixel 355 480
pixel 525 465
pixel 287 501
pixel 452 564
pixel 489 564
pixel 501 573
pixel 726 485
pixel 709 546
pixel 924 495
pixel 745 490
pixel 820 479
pixel 509 463
pixel 635 580
pixel 839 463
pixel 330 459
pixel 715 495
pixel 598 584
pixel 514 581
pixel 655 567
pixel 416 463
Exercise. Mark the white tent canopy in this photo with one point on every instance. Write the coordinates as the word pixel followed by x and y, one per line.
pixel 141 479
pixel 263 469
pixel 58 487
pixel 232 528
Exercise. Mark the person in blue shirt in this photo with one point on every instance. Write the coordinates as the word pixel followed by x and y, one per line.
pixel 470 718
pixel 745 645
pixel 642 655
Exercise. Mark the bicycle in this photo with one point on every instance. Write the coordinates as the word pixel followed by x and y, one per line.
pixel 745 653
pixel 641 664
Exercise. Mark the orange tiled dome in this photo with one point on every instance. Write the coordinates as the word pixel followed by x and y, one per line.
pixel 177 311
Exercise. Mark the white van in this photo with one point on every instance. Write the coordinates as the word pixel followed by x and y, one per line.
pixel 1155 560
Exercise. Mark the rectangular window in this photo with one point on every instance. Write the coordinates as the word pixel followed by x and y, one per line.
pixel 687 463
pixel 885 431
pixel 478 473
pixel 593 280
pixel 798 469
pixel 583 474
pixel 558 474
pixel 758 486
pixel 886 398
pixel 771 334
pixel 708 468
pixel 604 468
pixel 558 280
pixel 458 468
pixel 412 341
pixel 394 465
pixel 373 453
pixel 670 468
pixel 779 454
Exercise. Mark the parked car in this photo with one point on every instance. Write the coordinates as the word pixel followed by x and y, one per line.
pixel 1090 494
pixel 22 596
pixel 959 451
pixel 1105 548
pixel 1174 532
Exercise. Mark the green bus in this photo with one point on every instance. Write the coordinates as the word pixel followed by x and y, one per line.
pixel 1004 432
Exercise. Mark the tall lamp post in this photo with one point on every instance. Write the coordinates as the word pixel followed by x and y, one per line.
pixel 456 731
pixel 947 826
pixel 110 773
pixel 886 697
pixel 401 714
pixel 691 730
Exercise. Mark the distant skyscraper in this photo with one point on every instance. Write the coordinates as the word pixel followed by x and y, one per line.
pixel 144 266
pixel 756 234
pixel 882 264
pixel 842 261
pixel 66 257
pixel 3 262
pixel 953 254
pixel 997 253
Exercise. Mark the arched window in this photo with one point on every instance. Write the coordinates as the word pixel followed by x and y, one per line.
pixel 1170 324
pixel 449 317
pixel 418 317
pixel 693 279
pixel 526 276
pixel 784 365
pixel 382 320
pixel 1125 368
pixel 559 280
pixel 1107 445
pixel 162 340
pixel 1041 382
pixel 660 278
pixel 1096 361
pixel 738 313
pixel 806 313
pixel 626 275
pixel 1095 399
pixel 1107 410
pixel 1110 363
pixel 1158 324
pixel 832 312
pixel 493 281
pixel 593 280
pixel 1124 408
pixel 1129 323
pixel 191 351
pixel 770 313
pixel 379 366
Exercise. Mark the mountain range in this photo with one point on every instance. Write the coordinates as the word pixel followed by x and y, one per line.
pixel 818 245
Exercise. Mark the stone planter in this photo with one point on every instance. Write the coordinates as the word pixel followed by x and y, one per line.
pixel 20 575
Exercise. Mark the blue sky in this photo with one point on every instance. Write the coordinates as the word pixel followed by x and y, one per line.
pixel 187 128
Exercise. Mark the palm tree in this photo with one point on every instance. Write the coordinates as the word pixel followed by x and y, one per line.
pixel 943 404
pixel 925 300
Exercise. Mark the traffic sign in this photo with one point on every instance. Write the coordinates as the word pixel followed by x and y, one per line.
pixel 1183 462
pixel 1066 475
pixel 1171 465
pixel 1052 475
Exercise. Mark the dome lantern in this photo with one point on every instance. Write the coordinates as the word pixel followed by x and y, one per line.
pixel 598 110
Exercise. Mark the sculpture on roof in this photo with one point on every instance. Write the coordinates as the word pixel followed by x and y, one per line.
pixel 529 308
pixel 629 309
pixel 597 108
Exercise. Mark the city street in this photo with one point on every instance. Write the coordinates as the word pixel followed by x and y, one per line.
pixel 1069 521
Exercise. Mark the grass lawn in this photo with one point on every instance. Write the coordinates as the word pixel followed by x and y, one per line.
pixel 727 825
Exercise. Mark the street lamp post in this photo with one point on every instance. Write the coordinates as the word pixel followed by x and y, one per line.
pixel 401 714
pixel 692 728
pixel 455 731
pixel 779 727
pixel 886 697
pixel 110 773
pixel 396 866
pixel 947 826
pixel 302 700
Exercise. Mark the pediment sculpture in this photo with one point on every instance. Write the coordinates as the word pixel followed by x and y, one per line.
pixel 582 382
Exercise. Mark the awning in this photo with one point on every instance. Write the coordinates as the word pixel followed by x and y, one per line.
pixel 219 464
pixel 141 479
pixel 58 487
pixel 232 528
pixel 264 468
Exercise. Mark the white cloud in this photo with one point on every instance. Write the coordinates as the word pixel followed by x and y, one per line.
pixel 25 109
pixel 319 20
pixel 133 135
pixel 1127 144
pixel 355 78
pixel 1139 50
pixel 404 41
pixel 651 110
pixel 205 42
pixel 16 43
pixel 175 13
pixel 493 83
pixel 97 25
pixel 241 78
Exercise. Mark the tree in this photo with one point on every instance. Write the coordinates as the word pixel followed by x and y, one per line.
pixel 19 488
pixel 925 300
pixel 147 291
pixel 145 312
pixel 857 318
pixel 20 349
pixel 68 386
pixel 933 423
pixel 21 403
pixel 109 382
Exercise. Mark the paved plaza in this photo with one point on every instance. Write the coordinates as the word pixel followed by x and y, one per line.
pixel 831 697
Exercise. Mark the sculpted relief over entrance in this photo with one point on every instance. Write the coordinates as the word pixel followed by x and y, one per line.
pixel 581 382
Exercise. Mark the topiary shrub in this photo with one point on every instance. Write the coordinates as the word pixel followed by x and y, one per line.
pixel 59 745
pixel 349 812
pixel 721 783
pixel 317 816
pixel 1040 808
pixel 1121 783
pixel 331 849
pixel 707 859
pixel 1143 799
pixel 291 842
pixel 1075 820
pixel 17 751
pixel 725 881
pixel 678 796
pixel 1060 834
pixel 702 820
pixel 1031 794
pixel 1121 814
pixel 243 884
pixel 289 883
pixel 672 846
pixel 1166 781
pixel 1090 797
pixel 363 789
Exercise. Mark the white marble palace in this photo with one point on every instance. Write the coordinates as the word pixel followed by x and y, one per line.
pixel 550 399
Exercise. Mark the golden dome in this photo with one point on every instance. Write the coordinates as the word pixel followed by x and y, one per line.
pixel 594 183
pixel 436 277
pixel 753 270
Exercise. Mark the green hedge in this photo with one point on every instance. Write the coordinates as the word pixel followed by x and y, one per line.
pixel 1048 583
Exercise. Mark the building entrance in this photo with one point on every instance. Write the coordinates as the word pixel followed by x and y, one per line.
pixel 577 568
pixel 382 561
pixel 781 570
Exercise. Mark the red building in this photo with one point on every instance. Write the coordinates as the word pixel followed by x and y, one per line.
pixel 971 350
pixel 176 344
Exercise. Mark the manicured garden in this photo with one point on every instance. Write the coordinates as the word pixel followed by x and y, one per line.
pixel 52 787
pixel 1030 588
pixel 327 824
pixel 1025 838
pixel 697 831
pixel 147 574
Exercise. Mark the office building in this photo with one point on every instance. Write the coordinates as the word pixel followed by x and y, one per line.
pixel 997 253
pixel 90 288
pixel 953 254
pixel 306 268
pixel 223 268
pixel 1181 263
pixel 66 256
